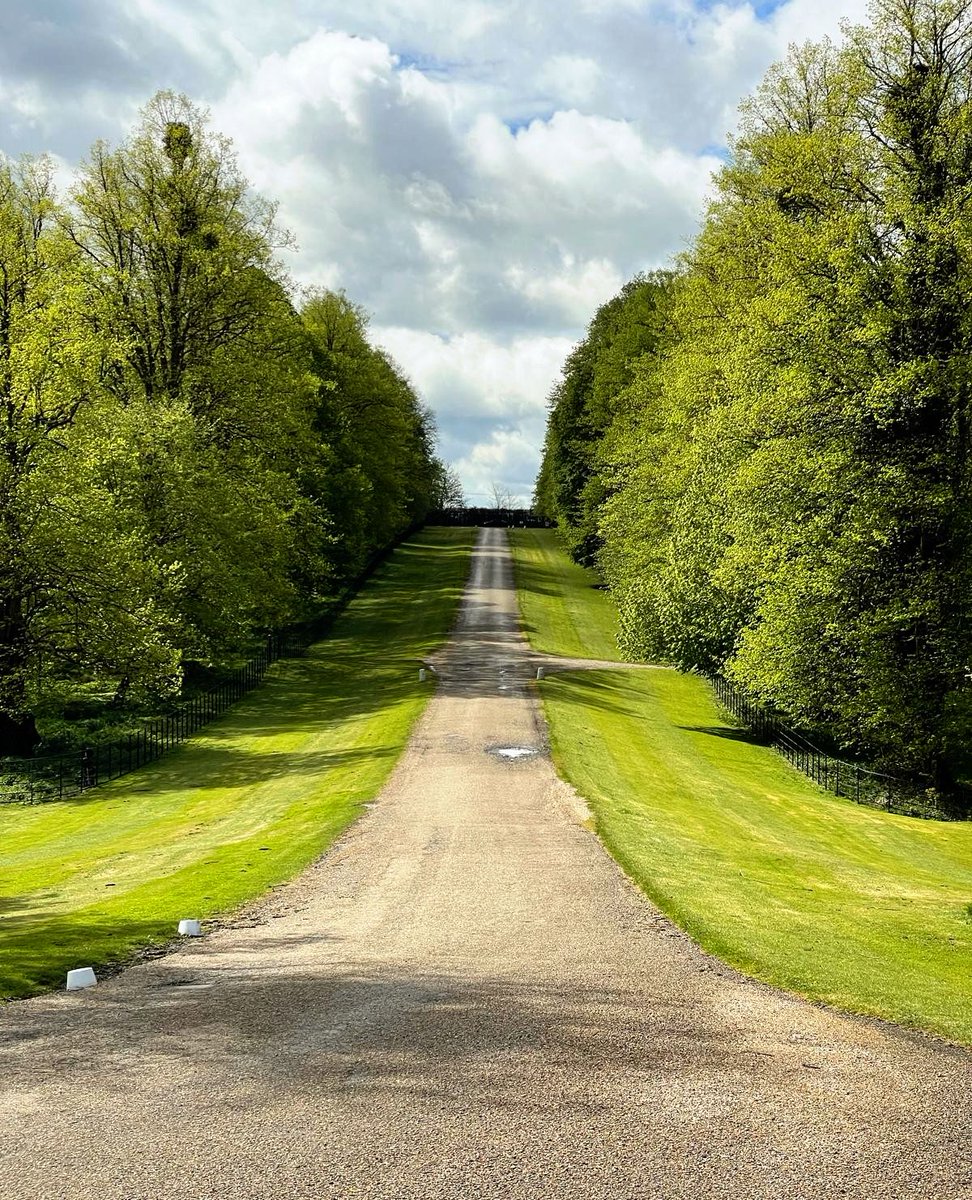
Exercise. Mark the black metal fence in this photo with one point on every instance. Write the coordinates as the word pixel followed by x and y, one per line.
pixel 62 776
pixel 843 778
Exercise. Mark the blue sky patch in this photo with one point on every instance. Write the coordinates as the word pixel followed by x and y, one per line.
pixel 428 64
pixel 717 150
pixel 763 9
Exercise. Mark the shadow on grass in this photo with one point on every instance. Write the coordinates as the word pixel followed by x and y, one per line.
pixel 603 689
pixel 368 667
pixel 534 577
pixel 728 732
pixel 39 948
pixel 231 767
pixel 217 757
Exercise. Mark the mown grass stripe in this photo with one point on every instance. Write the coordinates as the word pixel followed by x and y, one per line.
pixel 244 804
pixel 562 607
pixel 862 909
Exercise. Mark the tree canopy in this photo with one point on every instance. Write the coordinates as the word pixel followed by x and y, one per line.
pixel 191 452
pixel 782 485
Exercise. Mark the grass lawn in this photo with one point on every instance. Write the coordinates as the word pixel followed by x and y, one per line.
pixel 861 909
pixel 562 608
pixel 246 803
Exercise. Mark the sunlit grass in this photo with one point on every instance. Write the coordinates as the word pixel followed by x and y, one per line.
pixel 858 908
pixel 243 805
pixel 563 609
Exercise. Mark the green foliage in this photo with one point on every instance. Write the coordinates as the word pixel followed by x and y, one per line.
pixel 185 461
pixel 364 404
pixel 570 489
pixel 786 479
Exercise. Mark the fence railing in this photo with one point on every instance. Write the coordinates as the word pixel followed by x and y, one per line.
pixel 837 775
pixel 63 776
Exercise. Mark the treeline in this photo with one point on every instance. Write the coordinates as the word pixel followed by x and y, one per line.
pixel 188 457
pixel 767 453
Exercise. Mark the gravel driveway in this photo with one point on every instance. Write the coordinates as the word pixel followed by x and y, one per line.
pixel 465 998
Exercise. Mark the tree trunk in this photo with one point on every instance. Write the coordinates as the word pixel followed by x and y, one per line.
pixel 18 732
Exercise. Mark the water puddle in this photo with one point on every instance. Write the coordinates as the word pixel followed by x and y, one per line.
pixel 513 753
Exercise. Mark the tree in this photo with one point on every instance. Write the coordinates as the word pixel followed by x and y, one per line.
pixel 571 485
pixel 381 436
pixel 72 595
pixel 185 460
pixel 43 384
pixel 210 368
pixel 503 498
pixel 786 476
pixel 451 492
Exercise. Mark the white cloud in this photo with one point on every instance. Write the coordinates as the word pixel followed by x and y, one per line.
pixel 506 462
pixel 496 391
pixel 505 380
pixel 479 176
pixel 575 290
pixel 573 77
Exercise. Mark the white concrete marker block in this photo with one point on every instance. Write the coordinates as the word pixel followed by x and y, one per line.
pixel 190 929
pixel 81 977
pixel 421 674
pixel 539 672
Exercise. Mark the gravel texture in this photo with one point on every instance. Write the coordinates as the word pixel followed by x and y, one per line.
pixel 465 998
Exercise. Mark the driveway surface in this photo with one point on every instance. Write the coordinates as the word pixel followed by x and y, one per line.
pixel 465 998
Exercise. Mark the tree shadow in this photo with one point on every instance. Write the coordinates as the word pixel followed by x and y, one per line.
pixel 402 1031
pixel 601 689
pixel 728 732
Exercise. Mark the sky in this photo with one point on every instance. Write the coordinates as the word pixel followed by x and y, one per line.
pixel 479 175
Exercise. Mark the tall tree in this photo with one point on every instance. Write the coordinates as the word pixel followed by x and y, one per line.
pixel 72 595
pixel 382 437
pixel 43 384
pixel 183 279
pixel 571 487
pixel 790 468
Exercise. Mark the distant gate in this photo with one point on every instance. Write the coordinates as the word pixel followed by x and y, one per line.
pixel 507 518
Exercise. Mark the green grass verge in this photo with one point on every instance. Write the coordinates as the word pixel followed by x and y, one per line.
pixel 243 805
pixel 860 909
pixel 562 607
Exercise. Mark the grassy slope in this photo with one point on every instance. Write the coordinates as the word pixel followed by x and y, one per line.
pixel 563 610
pixel 246 803
pixel 858 908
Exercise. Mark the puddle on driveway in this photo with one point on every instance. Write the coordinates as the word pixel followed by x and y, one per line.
pixel 513 753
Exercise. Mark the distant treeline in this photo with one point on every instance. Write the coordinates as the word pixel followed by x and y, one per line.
pixel 766 451
pixel 188 455
pixel 509 518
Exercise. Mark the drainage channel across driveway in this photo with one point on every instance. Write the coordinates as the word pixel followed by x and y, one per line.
pixel 465 998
